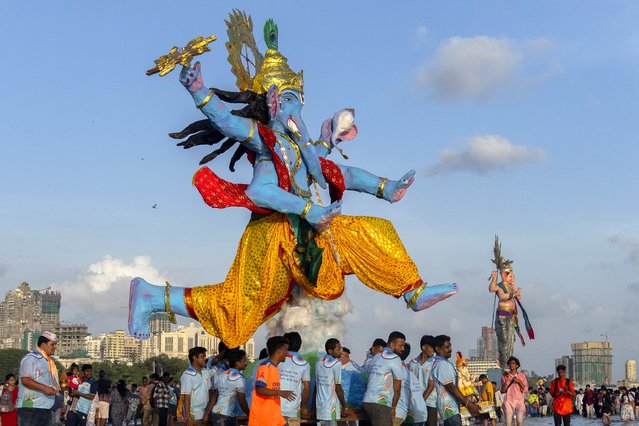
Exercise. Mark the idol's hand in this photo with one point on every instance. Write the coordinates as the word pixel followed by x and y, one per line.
pixel 518 293
pixel 191 78
pixel 395 189
pixel 320 216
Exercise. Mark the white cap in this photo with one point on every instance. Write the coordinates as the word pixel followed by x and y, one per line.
pixel 51 336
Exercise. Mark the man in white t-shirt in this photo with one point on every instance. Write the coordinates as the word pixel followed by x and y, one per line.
pixel 295 375
pixel 329 395
pixel 230 390
pixel 195 385
pixel 421 366
pixel 383 389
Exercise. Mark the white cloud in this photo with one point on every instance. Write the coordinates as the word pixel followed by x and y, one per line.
pixel 475 67
pixel 420 33
pixel 456 325
pixel 540 45
pixel 484 154
pixel 631 245
pixel 99 297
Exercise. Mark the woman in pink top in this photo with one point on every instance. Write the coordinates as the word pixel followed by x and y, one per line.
pixel 513 386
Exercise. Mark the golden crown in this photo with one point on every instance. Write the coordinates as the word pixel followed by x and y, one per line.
pixel 275 70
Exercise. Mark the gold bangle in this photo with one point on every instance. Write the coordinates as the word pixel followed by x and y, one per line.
pixel 251 132
pixel 380 188
pixel 325 144
pixel 167 304
pixel 418 293
pixel 307 207
pixel 310 142
pixel 206 100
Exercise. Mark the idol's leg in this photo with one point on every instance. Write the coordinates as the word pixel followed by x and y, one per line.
pixel 426 296
pixel 145 299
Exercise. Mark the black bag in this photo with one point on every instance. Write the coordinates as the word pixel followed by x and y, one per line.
pixel 152 398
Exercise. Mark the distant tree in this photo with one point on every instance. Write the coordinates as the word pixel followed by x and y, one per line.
pixel 78 353
pixel 163 364
pixel 10 361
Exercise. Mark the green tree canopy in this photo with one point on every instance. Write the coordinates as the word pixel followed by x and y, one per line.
pixel 10 361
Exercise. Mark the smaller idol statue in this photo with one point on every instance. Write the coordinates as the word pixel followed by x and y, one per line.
pixel 506 317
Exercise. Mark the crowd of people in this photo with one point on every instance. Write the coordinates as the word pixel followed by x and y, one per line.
pixel 398 390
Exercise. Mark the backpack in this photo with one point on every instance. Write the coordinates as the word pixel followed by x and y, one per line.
pixel 152 398
pixel 553 386
pixel 6 402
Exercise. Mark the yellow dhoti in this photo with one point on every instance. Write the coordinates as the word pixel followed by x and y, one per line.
pixel 266 267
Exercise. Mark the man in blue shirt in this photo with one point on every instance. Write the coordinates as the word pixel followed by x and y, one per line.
pixel 383 389
pixel 329 395
pixel 295 375
pixel 230 391
pixel 444 376
pixel 38 383
pixel 82 398
pixel 421 366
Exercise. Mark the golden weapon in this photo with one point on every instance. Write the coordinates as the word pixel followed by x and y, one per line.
pixel 166 63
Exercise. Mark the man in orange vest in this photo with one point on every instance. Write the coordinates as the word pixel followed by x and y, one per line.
pixel 562 390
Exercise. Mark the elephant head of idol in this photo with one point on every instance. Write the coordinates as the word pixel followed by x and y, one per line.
pixel 285 98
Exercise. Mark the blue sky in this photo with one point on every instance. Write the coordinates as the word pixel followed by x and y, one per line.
pixel 520 120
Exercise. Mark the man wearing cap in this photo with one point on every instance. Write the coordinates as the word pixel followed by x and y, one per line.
pixel 38 383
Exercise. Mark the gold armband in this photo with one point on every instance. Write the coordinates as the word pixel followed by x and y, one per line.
pixel 324 143
pixel 380 188
pixel 307 207
pixel 167 303
pixel 206 100
pixel 251 132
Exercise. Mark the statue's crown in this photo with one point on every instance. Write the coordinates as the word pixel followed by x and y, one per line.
pixel 272 68
pixel 275 70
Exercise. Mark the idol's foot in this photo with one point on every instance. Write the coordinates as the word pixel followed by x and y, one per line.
pixel 426 296
pixel 144 299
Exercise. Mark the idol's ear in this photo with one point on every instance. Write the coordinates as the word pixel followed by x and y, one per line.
pixel 344 128
pixel 327 130
pixel 272 101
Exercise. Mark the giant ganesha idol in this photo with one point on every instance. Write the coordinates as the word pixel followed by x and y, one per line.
pixel 292 238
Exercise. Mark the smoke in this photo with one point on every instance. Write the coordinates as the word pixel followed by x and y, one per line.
pixel 315 319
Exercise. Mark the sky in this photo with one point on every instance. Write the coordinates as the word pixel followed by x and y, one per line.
pixel 520 120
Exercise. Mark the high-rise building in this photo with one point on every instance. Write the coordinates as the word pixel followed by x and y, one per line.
pixel 568 362
pixel 71 339
pixel 486 346
pixel 631 370
pixel 27 309
pixel 476 368
pixel 50 302
pixel 94 345
pixel 176 343
pixel 249 348
pixel 592 362
pixel 119 346
pixel 159 323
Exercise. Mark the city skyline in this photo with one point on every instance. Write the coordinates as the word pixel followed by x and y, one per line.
pixel 519 119
pixel 483 355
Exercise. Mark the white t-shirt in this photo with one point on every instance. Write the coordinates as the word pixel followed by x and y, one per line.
pixel 328 373
pixel 229 384
pixel 294 371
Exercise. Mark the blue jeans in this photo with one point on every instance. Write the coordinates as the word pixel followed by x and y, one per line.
pixel 34 417
pixel 453 421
